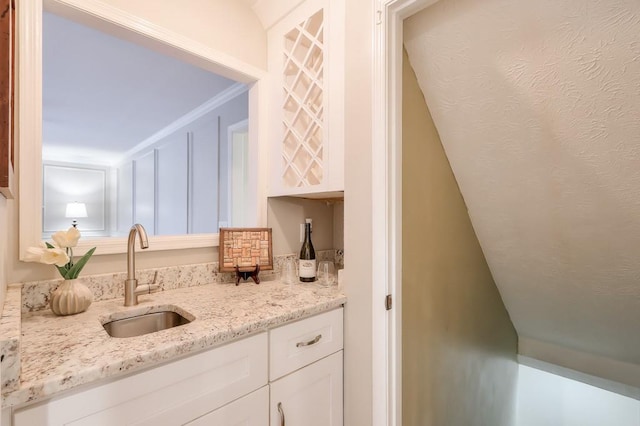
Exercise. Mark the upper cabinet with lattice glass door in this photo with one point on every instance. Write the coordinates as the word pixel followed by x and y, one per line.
pixel 306 115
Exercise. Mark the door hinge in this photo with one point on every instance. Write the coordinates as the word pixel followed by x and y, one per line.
pixel 388 301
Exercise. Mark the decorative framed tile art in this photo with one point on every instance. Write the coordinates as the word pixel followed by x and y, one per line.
pixel 245 248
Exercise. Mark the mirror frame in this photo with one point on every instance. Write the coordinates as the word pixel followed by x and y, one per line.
pixel 119 23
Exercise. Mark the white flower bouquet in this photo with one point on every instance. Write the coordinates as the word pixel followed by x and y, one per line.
pixel 60 253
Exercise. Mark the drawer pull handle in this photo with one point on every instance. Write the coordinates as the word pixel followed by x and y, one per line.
pixel 281 411
pixel 310 342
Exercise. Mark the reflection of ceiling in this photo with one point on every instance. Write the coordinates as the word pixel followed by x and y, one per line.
pixel 537 104
pixel 103 95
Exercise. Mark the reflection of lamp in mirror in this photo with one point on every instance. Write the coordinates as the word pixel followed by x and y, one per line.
pixel 76 210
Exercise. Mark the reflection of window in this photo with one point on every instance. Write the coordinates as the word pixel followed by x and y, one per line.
pixel 161 143
pixel 64 184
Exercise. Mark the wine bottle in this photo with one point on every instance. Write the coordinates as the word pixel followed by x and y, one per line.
pixel 307 263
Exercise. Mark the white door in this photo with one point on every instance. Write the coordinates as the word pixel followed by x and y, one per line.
pixel 239 174
pixel 311 396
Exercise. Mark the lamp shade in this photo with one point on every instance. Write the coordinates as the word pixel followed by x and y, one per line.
pixel 75 210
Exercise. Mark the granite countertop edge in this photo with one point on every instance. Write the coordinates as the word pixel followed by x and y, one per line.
pixel 80 352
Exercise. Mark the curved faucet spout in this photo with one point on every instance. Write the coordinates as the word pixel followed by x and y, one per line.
pixel 142 233
pixel 131 284
pixel 131 248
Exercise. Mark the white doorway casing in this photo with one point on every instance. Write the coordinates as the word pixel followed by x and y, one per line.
pixel 387 208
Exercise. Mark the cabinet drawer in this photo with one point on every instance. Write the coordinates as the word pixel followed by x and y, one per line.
pixel 171 394
pixel 250 410
pixel 298 344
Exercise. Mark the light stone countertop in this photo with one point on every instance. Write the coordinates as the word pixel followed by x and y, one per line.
pixel 60 353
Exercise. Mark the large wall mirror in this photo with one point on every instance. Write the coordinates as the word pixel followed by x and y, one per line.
pixel 130 129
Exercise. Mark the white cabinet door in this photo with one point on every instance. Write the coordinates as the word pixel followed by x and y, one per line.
pixel 311 396
pixel 306 60
pixel 250 410
pixel 169 395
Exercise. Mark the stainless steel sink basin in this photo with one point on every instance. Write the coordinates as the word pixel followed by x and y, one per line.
pixel 144 324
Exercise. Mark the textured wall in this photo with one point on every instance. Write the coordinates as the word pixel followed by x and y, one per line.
pixel 458 344
pixel 537 104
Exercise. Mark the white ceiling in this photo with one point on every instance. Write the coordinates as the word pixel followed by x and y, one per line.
pixel 102 95
pixel 538 107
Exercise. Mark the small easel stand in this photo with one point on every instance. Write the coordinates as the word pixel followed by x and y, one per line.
pixel 246 274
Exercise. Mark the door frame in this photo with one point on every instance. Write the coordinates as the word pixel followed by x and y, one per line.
pixel 387 207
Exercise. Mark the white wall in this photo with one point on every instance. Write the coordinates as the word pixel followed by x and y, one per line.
pixel 551 400
pixel 227 26
pixel 285 214
pixel 458 344
pixel 188 172
pixel 124 201
pixel 357 212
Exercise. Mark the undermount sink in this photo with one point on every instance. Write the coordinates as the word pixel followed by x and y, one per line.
pixel 144 323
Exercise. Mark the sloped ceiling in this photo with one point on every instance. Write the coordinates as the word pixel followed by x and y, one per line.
pixel 538 107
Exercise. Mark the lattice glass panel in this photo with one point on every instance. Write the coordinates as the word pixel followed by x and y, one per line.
pixel 302 152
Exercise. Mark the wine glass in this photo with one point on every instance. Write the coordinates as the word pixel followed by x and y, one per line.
pixel 289 273
pixel 326 274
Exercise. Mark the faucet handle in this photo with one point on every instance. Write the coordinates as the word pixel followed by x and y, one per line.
pixel 148 288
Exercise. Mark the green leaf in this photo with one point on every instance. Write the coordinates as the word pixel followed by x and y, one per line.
pixel 49 245
pixel 63 271
pixel 75 269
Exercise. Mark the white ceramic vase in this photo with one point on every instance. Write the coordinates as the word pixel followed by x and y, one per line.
pixel 71 297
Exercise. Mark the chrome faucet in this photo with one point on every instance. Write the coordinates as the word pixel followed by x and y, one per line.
pixel 131 287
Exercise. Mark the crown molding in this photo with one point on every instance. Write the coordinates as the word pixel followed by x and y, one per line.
pixel 220 99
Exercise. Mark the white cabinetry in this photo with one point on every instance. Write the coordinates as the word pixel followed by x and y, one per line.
pixel 295 376
pixel 172 394
pixel 306 372
pixel 311 396
pixel 250 410
pixel 306 60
